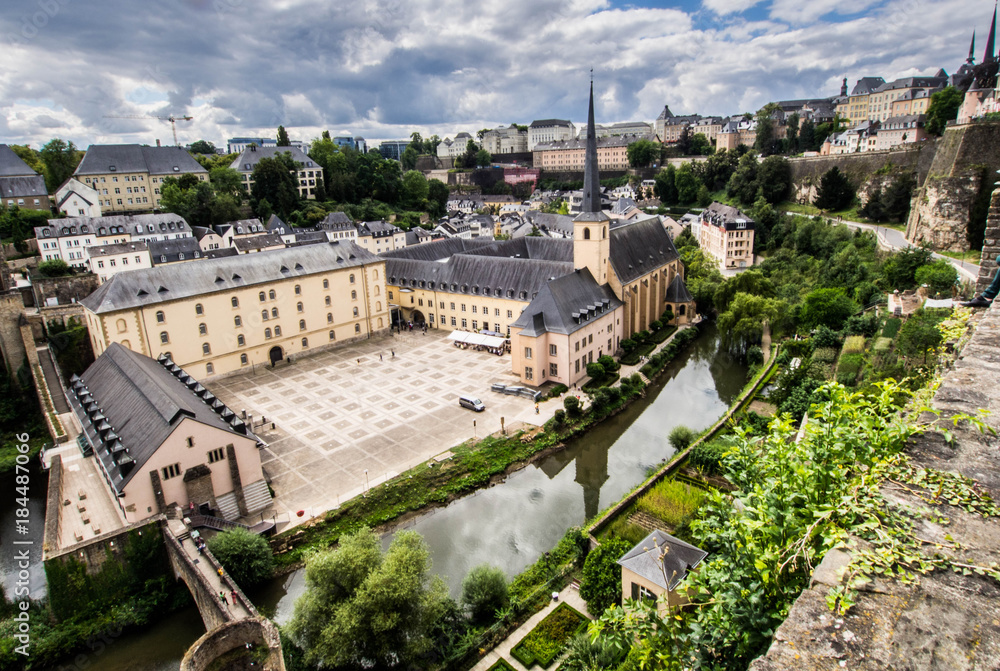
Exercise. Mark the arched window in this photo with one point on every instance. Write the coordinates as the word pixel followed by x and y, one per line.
pixel 305 343
pixel 238 321
pixel 604 231
pixel 328 301
pixel 298 306
pixel 240 340
pixel 586 233
pixel 198 309
pixel 355 312
pixel 263 315
pixel 298 290
pixel 378 306
pixel 206 349
pixel 354 295
pixel 274 312
pixel 378 290
pixel 271 294
pixel 277 331
pixel 235 301
pixel 326 284
pixel 127 344
pixel 244 360
pixel 209 368
pixel 357 328
pixel 202 329
pixel 160 317
pixel 164 337
pixel 681 309
pixel 351 278
pixel 121 326
pixel 302 324
pixel 333 336
pixel 262 296
pixel 380 322
pixel 267 334
pixel 375 275
pixel 329 317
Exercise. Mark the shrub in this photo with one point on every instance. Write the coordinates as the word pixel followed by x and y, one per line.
pixel 655 326
pixel 707 456
pixel 572 405
pixel 501 665
pixel 863 325
pixel 939 276
pixel 558 391
pixel 892 326
pixel 850 363
pixel 246 556
pixel 826 337
pixel 54 268
pixel 854 344
pixel 681 436
pixel 667 316
pixel 847 379
pixel 601 582
pixel 484 592
pixel 609 363
pixel 627 344
pixel 755 356
pixel 549 637
pixel 585 654
pixel 623 529
pixel 825 355
pixel 595 371
pixel 559 416
pixel 799 348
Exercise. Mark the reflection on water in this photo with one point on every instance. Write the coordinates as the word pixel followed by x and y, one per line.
pixel 512 523
pixel 10 524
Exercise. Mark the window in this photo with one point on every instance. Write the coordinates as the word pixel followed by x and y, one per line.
pixel 527 352
pixel 640 592
pixel 463 307
pixel 160 317
pixel 552 350
pixel 355 312
pixel 486 310
pixel 206 349
pixel 298 290
pixel 171 471
pixel 237 320
pixel 452 306
pixel 298 306
pixel 354 295
pixel 267 333
pixel 262 296
pixel 496 312
pixel 510 314
pixel 453 321
pixel 577 366
pixel 164 337
pixel 390 297
pixel 528 373
pixel 190 441
pixel 305 343
pixel 274 312
pixel 475 325
pixel 465 323
pixel 277 331
pixel 577 346
pixel 263 315
pixel 327 301
pixel 553 370
pixel 351 279
pixel 240 340
pixel 590 339
pixel 333 336
pixel 271 294
pixel 326 284
pixel 121 326
pixel 209 368
pixel 218 454
pixel 302 324
pixel 473 309
pixel 244 360
pixel 235 301
pixel 357 328
pixel 202 329
pixel 329 317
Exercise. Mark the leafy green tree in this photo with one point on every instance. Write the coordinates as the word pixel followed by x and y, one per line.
pixel 363 608
pixel 765 218
pixel 807 136
pixel 60 158
pixel 409 157
pixel 900 268
pixel 716 171
pixel 835 191
pixel 417 143
pixel 484 592
pixel 437 197
pixel 681 437
pixel 29 156
pixel 227 181
pixel 918 336
pixel 666 185
pixel 766 142
pixel 263 209
pixel 643 153
pixel 483 158
pixel 274 180
pixel 939 276
pixel 283 140
pixel 751 282
pixel 415 190
pixel 572 405
pixel 828 307
pixel 595 371
pixel 943 108
pixel 202 147
pixel 687 183
pixel 601 582
pixel 246 556
pixel 774 179
pixel 743 183
pixel 742 323
pixel 700 145
pixel 704 197
pixel 792 132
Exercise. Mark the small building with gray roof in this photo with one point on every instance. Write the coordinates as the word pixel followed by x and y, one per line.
pixel 656 566
pixel 20 186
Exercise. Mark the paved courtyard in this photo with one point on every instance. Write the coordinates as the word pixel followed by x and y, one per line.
pixel 343 412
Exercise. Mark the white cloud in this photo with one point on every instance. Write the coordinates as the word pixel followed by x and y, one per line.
pixel 724 7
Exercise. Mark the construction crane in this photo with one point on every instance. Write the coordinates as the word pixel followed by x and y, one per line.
pixel 172 119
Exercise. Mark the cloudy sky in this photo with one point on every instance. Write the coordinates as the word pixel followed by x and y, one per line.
pixel 385 68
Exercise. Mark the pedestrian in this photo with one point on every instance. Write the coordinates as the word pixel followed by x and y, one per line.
pixel 379 356
pixel 222 597
pixel 221 574
pixel 393 353
pixel 536 408
pixel 233 596
pixel 201 549
pixel 359 362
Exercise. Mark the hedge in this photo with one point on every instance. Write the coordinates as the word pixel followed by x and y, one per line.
pixel 544 643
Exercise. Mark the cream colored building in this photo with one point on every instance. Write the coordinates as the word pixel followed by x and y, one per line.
pixel 307 175
pixel 655 568
pixel 911 103
pixel 129 177
pixel 380 236
pixel 159 439
pixel 234 313
pixel 506 140
pixel 859 104
pixel 727 236
pixel 570 155
pixel 549 130
pixel 106 261
pixel 899 130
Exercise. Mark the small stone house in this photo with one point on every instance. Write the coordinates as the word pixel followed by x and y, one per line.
pixel 656 566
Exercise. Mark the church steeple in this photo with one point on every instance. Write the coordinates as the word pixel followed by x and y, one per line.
pixel 972 47
pixel 990 55
pixel 591 178
pixel 843 88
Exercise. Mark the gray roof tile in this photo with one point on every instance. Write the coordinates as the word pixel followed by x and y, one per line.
pixel 566 304
pixel 101 159
pixel 678 558
pixel 639 248
pixel 11 164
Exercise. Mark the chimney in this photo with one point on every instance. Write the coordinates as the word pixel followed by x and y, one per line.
pixel 157 142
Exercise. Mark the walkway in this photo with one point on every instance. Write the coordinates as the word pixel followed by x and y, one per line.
pixel 209 568
pixel 52 379
pixel 570 595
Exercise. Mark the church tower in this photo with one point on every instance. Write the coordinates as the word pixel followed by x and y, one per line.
pixel 990 54
pixel 591 228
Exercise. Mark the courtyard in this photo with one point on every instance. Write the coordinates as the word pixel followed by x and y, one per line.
pixel 350 418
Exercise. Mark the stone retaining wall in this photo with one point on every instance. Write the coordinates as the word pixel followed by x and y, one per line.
pixel 233 636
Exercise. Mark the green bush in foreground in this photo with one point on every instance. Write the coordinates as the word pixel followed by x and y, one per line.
pixel 484 592
pixel 246 556
pixel 549 637
pixel 681 436
pixel 601 583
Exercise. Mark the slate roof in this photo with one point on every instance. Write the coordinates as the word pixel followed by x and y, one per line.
pixel 538 248
pixel 336 221
pixel 377 229
pixel 665 114
pixel 11 165
pixel 563 223
pixel 164 223
pixel 220 253
pixel 117 248
pixel 140 403
pixel 172 282
pixel 678 292
pixel 866 85
pixel 249 157
pixel 276 225
pixel 171 250
pixel 29 186
pixel 442 249
pixel 566 304
pixel 244 245
pixel 545 123
pixel 640 247
pixel 678 558
pixel 516 279
pixel 718 214
pixel 102 159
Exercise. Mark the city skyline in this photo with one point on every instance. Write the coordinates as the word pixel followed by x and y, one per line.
pixel 382 70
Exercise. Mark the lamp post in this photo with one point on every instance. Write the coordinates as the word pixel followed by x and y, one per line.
pixel 367 486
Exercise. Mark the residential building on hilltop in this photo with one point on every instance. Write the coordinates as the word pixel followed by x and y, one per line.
pixel 570 155
pixel 669 127
pixel 21 186
pixel 380 236
pixel 68 239
pixel 549 130
pixel 899 130
pixel 129 177
pixel 307 172
pixel 857 109
pixel 76 199
pixel 880 100
pixel 105 261
pixel 505 140
pixel 726 234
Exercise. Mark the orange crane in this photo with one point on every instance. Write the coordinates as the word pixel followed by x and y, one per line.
pixel 172 119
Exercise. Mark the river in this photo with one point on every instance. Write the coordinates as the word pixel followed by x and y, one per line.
pixel 511 524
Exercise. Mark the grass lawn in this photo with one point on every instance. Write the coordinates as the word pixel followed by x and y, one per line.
pixel 972 256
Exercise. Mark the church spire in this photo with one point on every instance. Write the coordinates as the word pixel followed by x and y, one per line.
pixel 972 47
pixel 990 41
pixel 591 178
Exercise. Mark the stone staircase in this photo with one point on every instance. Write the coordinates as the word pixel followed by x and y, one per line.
pixel 229 509
pixel 257 496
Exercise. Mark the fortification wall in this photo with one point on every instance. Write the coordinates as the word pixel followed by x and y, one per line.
pixel 861 169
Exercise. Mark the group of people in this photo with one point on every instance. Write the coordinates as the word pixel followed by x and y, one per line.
pixel 499 351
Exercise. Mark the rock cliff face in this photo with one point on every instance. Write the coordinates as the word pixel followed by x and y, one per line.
pixel 865 170
pixel 945 212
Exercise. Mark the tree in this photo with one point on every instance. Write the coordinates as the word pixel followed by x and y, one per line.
pixel 483 158
pixel 666 187
pixel 415 190
pixel 202 147
pixel 684 141
pixel 601 582
pixel 245 555
pixel 595 371
pixel 687 183
pixel 227 181
pixel 792 132
pixel 572 405
pixel 363 608
pixel 767 142
pixel 807 136
pixel 417 143
pixel 29 156
pixel 484 592
pixel 827 307
pixel 681 437
pixel 743 322
pixel 774 179
pixel 283 140
pixel 642 153
pixel 60 159
pixel 274 180
pixel 835 191
pixel 586 654
pixel 700 145
pixel 54 268
pixel 918 335
pixel 437 197
pixel 409 158
pixel 943 108
pixel 743 183
pixel 939 276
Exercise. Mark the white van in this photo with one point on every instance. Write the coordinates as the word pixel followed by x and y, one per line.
pixel 471 403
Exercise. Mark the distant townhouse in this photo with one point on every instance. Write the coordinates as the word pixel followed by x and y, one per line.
pixel 506 140
pixel 449 148
pixel 466 204
pixel 913 102
pixel 105 261
pixel 669 127
pixel 549 130
pixel 338 226
pixel 617 129
pixel 129 177
pixel 241 228
pixel 710 127
pixel 857 109
pixel 20 185
pixel 68 239
pixel 881 99
pixel 570 155
pixel 737 131
pixel 727 235
pixel 76 199
pixel 262 242
pixel 220 317
pixel 166 226
pixel 307 172
pixel 380 236
pixel 162 252
pixel 900 130
pixel 207 238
